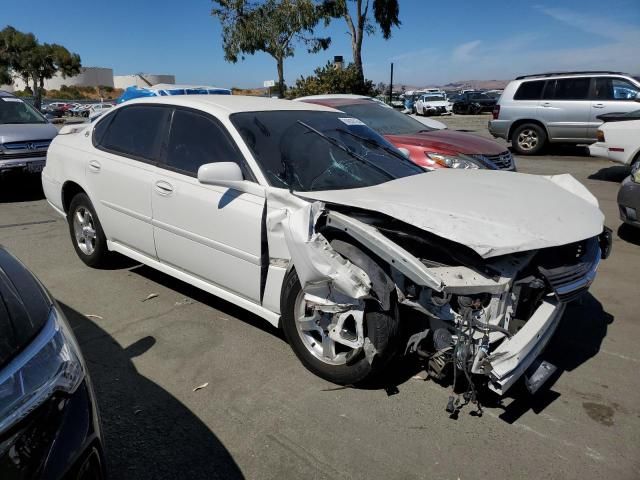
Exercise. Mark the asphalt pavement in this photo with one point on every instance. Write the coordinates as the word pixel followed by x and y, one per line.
pixel 150 341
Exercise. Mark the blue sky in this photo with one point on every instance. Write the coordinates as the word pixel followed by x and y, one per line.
pixel 438 41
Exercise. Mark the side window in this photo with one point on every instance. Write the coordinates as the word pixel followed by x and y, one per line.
pixel 136 131
pixel 195 140
pixel 607 88
pixel 529 90
pixel 572 88
pixel 100 128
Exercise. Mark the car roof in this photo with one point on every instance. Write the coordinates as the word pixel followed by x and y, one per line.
pixel 4 93
pixel 229 103
pixel 339 100
pixel 331 96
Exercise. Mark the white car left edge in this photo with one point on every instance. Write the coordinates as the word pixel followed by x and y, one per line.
pixel 311 220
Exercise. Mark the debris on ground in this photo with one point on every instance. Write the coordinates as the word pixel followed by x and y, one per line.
pixel 200 387
pixel 97 317
pixel 150 296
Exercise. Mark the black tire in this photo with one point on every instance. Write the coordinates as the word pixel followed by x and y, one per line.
pixel 529 139
pixel 381 328
pixel 99 256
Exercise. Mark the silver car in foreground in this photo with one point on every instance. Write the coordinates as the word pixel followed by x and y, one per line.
pixel 25 135
pixel 560 107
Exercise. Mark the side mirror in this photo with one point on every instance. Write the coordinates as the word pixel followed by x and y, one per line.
pixel 229 175
pixel 637 99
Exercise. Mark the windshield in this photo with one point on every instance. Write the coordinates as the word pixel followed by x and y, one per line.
pixel 13 110
pixel 309 151
pixel 434 97
pixel 383 120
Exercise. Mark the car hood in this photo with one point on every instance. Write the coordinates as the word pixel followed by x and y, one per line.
pixel 26 132
pixel 492 212
pixel 450 141
pixel 436 103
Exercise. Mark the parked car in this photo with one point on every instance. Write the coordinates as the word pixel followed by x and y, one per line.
pixel 162 89
pixel 473 103
pixel 95 110
pixel 25 135
pixel 306 217
pixel 629 198
pixel 560 107
pixel 432 104
pixel 427 147
pixel 49 425
pixel 618 138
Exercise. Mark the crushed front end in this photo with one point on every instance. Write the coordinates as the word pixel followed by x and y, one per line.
pixel 483 320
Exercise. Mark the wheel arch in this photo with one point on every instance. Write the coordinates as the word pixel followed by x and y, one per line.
pixel 69 190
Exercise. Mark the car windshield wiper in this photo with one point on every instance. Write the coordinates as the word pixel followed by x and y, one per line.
pixel 390 151
pixel 348 151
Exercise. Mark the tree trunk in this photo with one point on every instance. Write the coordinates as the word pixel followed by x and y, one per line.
pixel 37 92
pixel 280 77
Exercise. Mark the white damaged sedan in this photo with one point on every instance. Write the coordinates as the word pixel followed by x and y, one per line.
pixel 311 220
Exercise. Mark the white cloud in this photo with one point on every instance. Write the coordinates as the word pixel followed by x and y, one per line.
pixel 462 53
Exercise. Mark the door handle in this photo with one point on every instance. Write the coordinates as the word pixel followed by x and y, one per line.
pixel 546 104
pixel 598 105
pixel 164 188
pixel 94 166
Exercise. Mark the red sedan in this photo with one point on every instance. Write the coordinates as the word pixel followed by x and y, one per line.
pixel 428 147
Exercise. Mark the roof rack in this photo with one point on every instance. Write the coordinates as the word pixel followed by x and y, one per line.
pixel 553 74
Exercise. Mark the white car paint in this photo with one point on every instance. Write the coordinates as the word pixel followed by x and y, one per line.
pixel 622 142
pixel 212 236
pixel 430 103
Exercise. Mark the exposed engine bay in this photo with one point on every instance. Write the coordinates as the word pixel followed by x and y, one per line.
pixel 483 320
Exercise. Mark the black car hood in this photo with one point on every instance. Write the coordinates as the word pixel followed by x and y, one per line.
pixel 24 307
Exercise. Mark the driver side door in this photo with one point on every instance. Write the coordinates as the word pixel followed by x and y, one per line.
pixel 210 232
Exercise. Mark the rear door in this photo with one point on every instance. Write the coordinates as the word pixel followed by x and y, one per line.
pixel 211 232
pixel 566 108
pixel 120 171
pixel 611 95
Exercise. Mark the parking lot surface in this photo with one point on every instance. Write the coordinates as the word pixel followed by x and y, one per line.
pixel 150 340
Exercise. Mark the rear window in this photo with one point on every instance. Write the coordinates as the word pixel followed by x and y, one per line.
pixel 135 131
pixel 529 90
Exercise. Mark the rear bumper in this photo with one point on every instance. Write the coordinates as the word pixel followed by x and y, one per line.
pixel 499 128
pixel 601 149
pixel 629 202
pixel 514 355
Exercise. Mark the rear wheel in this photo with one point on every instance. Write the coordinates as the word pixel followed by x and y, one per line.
pixel 528 139
pixel 86 232
pixel 307 331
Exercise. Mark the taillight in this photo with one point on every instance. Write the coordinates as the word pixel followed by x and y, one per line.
pixel 496 112
pixel 600 135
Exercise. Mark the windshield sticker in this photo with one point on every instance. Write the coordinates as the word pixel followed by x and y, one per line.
pixel 10 99
pixel 351 121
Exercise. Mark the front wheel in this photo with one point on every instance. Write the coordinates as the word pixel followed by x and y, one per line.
pixel 86 232
pixel 307 331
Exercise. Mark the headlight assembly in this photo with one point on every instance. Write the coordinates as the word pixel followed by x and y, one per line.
pixel 50 363
pixel 452 161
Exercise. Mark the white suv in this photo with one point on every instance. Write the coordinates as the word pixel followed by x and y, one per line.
pixel 560 107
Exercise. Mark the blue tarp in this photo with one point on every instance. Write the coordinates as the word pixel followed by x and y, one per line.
pixel 137 92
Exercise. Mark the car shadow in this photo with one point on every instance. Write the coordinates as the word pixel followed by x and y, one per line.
pixel 569 348
pixel 19 187
pixel 206 298
pixel 614 173
pixel 629 234
pixel 147 432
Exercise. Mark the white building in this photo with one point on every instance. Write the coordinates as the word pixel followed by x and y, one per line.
pixel 88 77
pixel 142 80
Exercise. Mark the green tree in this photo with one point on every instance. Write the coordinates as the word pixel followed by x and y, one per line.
pixel 329 79
pixel 35 62
pixel 275 27
pixel 359 22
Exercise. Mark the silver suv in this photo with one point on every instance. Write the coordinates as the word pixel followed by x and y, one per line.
pixel 560 107
pixel 25 135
